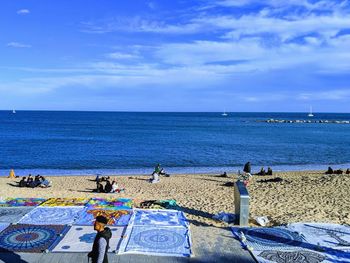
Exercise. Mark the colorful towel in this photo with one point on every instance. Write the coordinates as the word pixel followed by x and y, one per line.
pixel 13 214
pixel 52 215
pixel 297 243
pixel 158 218
pixel 81 238
pixel 115 217
pixel 66 202
pixel 3 226
pixel 29 238
pixel 110 203
pixel 158 241
pixel 11 202
pixel 157 204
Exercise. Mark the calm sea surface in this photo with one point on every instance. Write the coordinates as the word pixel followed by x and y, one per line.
pixel 127 143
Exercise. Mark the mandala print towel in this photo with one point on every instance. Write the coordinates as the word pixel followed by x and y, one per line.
pixel 159 241
pixel 81 238
pixel 29 238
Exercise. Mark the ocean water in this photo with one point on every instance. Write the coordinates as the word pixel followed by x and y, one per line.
pixel 54 142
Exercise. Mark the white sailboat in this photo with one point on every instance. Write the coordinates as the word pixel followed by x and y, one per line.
pixel 224 114
pixel 13 111
pixel 310 113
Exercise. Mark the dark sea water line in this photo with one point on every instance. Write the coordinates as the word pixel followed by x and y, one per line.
pixel 63 142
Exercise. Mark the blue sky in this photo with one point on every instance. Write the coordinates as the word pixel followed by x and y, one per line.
pixel 175 55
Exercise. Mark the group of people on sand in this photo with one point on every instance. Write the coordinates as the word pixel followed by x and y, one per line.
pixel 158 171
pixel 37 181
pixel 339 171
pixel 109 187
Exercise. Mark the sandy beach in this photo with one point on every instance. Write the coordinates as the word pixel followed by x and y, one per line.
pixel 300 197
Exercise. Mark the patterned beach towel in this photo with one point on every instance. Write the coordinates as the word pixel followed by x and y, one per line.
pixel 143 217
pixel 114 217
pixel 52 215
pixel 158 241
pixel 13 214
pixel 302 243
pixel 11 202
pixel 66 202
pixel 156 204
pixel 30 238
pixel 3 226
pixel 81 238
pixel 110 203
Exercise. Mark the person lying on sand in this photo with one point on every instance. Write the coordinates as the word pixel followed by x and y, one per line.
pixel 115 188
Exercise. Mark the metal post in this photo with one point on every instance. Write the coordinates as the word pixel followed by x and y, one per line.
pixel 241 204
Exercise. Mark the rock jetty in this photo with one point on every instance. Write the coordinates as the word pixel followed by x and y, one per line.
pixel 306 121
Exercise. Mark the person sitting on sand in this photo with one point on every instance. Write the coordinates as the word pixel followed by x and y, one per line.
pixel 108 187
pixel 157 169
pixel 99 188
pixel 223 175
pixel 115 188
pixel 154 178
pixel 44 183
pixel 347 171
pixel 163 173
pixel 23 182
pixel 269 171
pixel 31 183
pixel 329 171
pixel 262 171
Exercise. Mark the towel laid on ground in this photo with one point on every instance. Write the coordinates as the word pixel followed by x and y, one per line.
pixel 301 242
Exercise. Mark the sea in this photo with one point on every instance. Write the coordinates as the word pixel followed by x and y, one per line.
pixel 124 143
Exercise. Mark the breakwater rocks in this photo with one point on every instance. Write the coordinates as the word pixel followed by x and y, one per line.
pixel 306 121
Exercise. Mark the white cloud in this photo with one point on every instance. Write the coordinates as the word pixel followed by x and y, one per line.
pixel 121 56
pixel 18 45
pixel 23 12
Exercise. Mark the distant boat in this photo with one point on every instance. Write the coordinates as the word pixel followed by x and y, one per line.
pixel 310 113
pixel 224 114
pixel 13 111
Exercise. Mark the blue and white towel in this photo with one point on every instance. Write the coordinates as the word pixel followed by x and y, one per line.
pixel 52 215
pixel 154 217
pixel 300 242
pixel 158 241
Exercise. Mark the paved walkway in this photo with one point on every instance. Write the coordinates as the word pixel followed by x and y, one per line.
pixel 210 244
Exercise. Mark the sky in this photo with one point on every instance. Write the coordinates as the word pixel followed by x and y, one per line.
pixel 175 55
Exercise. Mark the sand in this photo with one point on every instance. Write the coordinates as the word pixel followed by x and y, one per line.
pixel 300 197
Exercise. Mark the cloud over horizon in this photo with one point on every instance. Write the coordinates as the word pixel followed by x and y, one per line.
pixel 213 51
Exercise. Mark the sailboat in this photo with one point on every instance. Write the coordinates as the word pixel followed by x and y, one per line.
pixel 13 111
pixel 310 113
pixel 224 114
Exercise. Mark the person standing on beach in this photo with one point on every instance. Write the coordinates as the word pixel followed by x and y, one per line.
pixel 247 168
pixel 101 242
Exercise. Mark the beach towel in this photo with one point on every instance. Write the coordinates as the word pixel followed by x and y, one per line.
pixel 158 241
pixel 3 226
pixel 30 238
pixel 11 202
pixel 52 215
pixel 157 204
pixel 110 203
pixel 81 238
pixel 13 214
pixel 114 217
pixel 296 243
pixel 143 217
pixel 65 202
